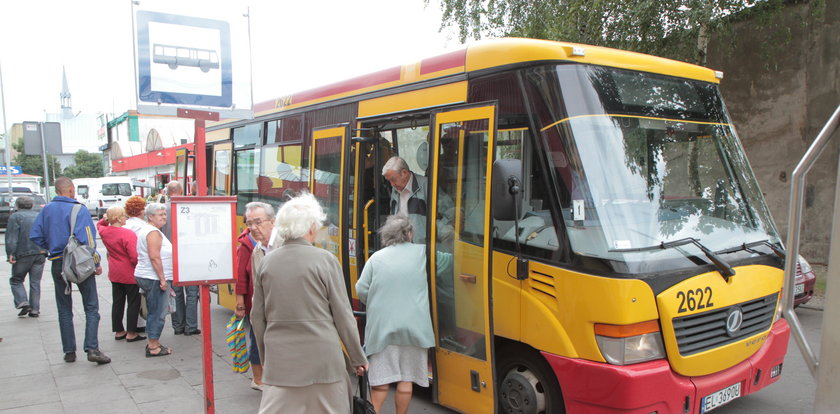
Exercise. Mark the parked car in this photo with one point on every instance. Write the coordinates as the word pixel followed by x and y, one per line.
pixel 16 190
pixel 7 205
pixel 97 194
pixel 803 288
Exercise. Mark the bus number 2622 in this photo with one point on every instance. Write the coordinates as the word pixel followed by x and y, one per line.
pixel 697 299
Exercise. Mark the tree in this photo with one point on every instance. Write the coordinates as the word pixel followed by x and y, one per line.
pixel 87 165
pixel 677 29
pixel 34 164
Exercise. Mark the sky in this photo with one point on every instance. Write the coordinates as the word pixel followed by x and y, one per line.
pixel 296 45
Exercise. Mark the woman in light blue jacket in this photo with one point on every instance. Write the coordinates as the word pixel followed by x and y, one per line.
pixel 398 332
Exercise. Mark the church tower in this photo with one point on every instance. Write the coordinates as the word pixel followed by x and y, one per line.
pixel 66 106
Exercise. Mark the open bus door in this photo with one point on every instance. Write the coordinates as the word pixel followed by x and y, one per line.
pixel 220 181
pixel 459 259
pixel 326 182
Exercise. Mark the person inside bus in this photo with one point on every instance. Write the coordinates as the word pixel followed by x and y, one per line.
pixel 302 319
pixel 398 331
pixel 408 198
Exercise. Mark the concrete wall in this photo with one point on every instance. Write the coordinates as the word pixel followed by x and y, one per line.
pixel 780 95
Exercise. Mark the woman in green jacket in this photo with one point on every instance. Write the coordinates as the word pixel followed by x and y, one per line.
pixel 398 332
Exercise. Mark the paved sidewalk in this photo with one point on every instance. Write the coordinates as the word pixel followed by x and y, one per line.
pixel 35 379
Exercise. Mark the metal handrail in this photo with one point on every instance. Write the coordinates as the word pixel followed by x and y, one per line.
pixel 797 195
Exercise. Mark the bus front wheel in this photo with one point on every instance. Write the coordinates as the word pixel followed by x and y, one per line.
pixel 526 383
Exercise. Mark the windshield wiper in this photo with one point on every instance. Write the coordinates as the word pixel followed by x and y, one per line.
pixel 724 268
pixel 748 247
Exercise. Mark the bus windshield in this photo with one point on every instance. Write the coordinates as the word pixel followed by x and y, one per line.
pixel 648 159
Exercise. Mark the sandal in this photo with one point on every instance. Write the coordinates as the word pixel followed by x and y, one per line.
pixel 119 338
pixel 135 339
pixel 163 351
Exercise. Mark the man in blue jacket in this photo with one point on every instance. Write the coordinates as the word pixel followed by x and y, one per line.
pixel 51 231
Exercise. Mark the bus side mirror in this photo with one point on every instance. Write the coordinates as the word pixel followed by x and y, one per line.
pixel 506 188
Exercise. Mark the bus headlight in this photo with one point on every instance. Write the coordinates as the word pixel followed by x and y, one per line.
pixel 630 344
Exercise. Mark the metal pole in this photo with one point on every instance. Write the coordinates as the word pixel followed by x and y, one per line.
pixel 827 399
pixel 250 58
pixel 8 152
pixel 41 126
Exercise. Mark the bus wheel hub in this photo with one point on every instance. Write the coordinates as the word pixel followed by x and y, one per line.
pixel 521 392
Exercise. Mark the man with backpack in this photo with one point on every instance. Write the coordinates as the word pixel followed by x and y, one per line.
pixel 51 231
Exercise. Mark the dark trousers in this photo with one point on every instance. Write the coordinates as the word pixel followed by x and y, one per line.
pixel 64 303
pixel 33 265
pixel 122 292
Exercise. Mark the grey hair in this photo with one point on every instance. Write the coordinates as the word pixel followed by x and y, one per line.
pixel 298 215
pixel 397 229
pixel 269 210
pixel 174 186
pixel 153 208
pixel 394 163
pixel 24 202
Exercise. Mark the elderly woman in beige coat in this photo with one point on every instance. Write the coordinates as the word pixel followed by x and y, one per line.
pixel 301 316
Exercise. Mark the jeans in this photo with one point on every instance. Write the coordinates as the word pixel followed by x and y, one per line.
pixel 64 303
pixel 185 317
pixel 34 266
pixel 156 301
pixel 124 292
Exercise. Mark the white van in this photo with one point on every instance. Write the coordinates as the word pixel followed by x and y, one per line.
pixel 100 193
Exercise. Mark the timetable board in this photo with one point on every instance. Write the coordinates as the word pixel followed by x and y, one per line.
pixel 203 239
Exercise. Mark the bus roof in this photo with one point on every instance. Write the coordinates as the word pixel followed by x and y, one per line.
pixel 485 55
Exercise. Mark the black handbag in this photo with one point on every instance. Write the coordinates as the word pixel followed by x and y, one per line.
pixel 361 405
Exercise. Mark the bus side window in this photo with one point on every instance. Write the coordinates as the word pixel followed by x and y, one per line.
pixel 537 231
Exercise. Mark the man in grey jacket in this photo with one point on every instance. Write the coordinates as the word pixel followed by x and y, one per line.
pixel 26 258
pixel 408 198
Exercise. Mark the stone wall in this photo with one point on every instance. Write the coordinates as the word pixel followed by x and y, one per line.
pixel 780 94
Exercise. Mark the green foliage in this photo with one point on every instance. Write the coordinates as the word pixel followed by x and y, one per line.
pixel 677 29
pixel 34 164
pixel 87 165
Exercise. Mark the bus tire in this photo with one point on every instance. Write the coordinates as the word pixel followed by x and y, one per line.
pixel 523 378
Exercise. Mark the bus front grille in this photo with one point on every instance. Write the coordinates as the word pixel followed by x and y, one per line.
pixel 708 330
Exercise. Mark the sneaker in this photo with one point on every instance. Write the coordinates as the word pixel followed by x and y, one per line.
pixel 34 314
pixel 24 310
pixel 256 386
pixel 69 357
pixel 95 355
pixel 193 332
pixel 179 332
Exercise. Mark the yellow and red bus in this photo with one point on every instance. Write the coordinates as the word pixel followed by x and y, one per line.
pixel 612 249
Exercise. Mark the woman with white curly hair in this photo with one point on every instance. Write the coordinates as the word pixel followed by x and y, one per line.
pixel 301 317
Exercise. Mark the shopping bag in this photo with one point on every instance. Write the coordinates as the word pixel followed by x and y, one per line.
pixel 361 404
pixel 235 338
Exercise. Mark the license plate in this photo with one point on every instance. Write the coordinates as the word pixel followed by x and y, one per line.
pixel 716 399
pixel 799 289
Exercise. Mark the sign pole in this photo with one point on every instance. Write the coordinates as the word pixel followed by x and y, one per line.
pixel 44 153
pixel 7 153
pixel 201 181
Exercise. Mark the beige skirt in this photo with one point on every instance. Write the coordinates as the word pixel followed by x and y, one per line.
pixel 333 398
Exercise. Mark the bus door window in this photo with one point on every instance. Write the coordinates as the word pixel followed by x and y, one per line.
pixel 326 183
pixel 373 191
pixel 461 176
pixel 221 169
